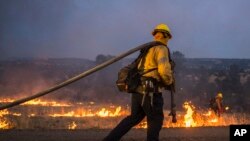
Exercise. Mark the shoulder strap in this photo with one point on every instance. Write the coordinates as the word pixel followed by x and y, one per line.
pixel 169 55
pixel 148 71
pixel 143 56
pixel 144 51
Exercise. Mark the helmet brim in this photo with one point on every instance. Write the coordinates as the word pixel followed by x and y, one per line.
pixel 163 31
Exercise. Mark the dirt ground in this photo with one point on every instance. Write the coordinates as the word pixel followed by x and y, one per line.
pixel 167 134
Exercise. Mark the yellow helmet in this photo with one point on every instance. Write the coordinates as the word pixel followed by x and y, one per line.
pixel 220 95
pixel 162 28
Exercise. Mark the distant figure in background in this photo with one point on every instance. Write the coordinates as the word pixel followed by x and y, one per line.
pixel 216 104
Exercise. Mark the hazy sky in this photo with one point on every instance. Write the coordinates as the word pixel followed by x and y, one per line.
pixel 86 28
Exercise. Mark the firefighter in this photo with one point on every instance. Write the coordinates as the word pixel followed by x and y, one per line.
pixel 148 100
pixel 216 104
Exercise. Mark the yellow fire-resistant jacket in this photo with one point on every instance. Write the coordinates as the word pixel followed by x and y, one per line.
pixel 157 57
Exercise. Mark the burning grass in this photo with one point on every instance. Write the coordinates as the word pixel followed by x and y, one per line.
pixel 41 114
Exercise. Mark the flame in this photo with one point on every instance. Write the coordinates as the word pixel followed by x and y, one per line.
pixel 6 100
pixel 37 102
pixel 4 123
pixel 72 125
pixel 88 113
pixel 4 112
pixel 45 103
pixel 32 115
pixel 209 113
pixel 143 124
pixel 188 117
pixel 212 118
pixel 107 113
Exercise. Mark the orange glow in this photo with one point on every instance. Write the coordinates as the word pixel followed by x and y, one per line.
pixel 88 113
pixel 51 114
pixel 188 117
pixel 143 124
pixel 212 118
pixel 72 125
pixel 37 102
pixel 4 123
pixel 45 103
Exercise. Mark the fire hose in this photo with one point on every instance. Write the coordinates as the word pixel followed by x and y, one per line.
pixel 73 79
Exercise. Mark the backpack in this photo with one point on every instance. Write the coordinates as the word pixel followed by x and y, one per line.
pixel 129 77
pixel 213 104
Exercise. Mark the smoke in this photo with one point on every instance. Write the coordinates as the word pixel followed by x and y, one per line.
pixel 84 29
pixel 22 81
pixel 22 78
